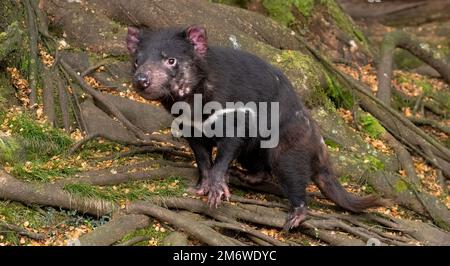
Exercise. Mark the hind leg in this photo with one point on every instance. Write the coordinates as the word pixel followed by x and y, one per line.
pixel 293 170
pixel 256 170
pixel 250 177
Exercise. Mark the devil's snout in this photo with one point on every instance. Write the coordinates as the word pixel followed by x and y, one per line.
pixel 142 80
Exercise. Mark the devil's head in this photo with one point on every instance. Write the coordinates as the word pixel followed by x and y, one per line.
pixel 167 63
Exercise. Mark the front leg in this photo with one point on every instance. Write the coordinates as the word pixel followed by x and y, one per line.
pixel 227 151
pixel 202 150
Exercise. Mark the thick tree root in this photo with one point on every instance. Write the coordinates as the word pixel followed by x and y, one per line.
pixel 50 195
pixel 200 231
pixel 114 230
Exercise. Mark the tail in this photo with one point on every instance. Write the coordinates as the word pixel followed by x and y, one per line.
pixel 333 190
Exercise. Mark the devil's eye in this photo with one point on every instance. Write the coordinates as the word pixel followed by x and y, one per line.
pixel 172 61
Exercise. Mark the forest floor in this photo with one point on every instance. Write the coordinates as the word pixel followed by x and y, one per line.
pixel 49 162
pixel 62 226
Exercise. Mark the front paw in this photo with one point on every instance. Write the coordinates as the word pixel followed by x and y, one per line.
pixel 202 188
pixel 217 190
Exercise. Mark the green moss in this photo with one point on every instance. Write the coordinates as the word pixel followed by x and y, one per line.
pixel 375 164
pixel 304 6
pixel 405 60
pixel 369 189
pixel 345 23
pixel 370 125
pixel 332 144
pixel 401 186
pixel 290 60
pixel 340 96
pixel 344 179
pixel 281 10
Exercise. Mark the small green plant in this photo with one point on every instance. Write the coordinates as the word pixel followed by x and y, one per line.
pixel 36 171
pixel 338 94
pixel 39 140
pixel 371 125
pixel 8 150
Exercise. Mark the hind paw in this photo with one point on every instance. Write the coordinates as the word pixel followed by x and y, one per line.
pixel 295 217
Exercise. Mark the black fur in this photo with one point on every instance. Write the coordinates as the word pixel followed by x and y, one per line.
pixel 227 75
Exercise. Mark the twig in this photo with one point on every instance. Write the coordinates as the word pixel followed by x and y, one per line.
pixel 81 142
pixel 93 68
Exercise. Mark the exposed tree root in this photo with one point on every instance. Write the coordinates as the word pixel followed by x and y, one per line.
pixel 420 121
pixel 114 230
pixel 50 195
pixel 119 178
pixel 246 229
pixel 110 108
pixel 33 45
pixel 200 231
pixel 236 198
pixel 405 131
pixel 385 69
pixel 12 38
pixel 148 149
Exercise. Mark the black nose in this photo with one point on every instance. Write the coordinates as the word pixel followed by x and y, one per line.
pixel 142 80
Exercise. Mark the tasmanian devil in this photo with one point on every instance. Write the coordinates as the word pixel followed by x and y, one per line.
pixel 172 65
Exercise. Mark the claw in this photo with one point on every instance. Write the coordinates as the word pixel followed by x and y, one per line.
pixel 216 192
pixel 295 218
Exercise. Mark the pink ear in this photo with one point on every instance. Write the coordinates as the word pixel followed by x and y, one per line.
pixel 197 35
pixel 133 37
